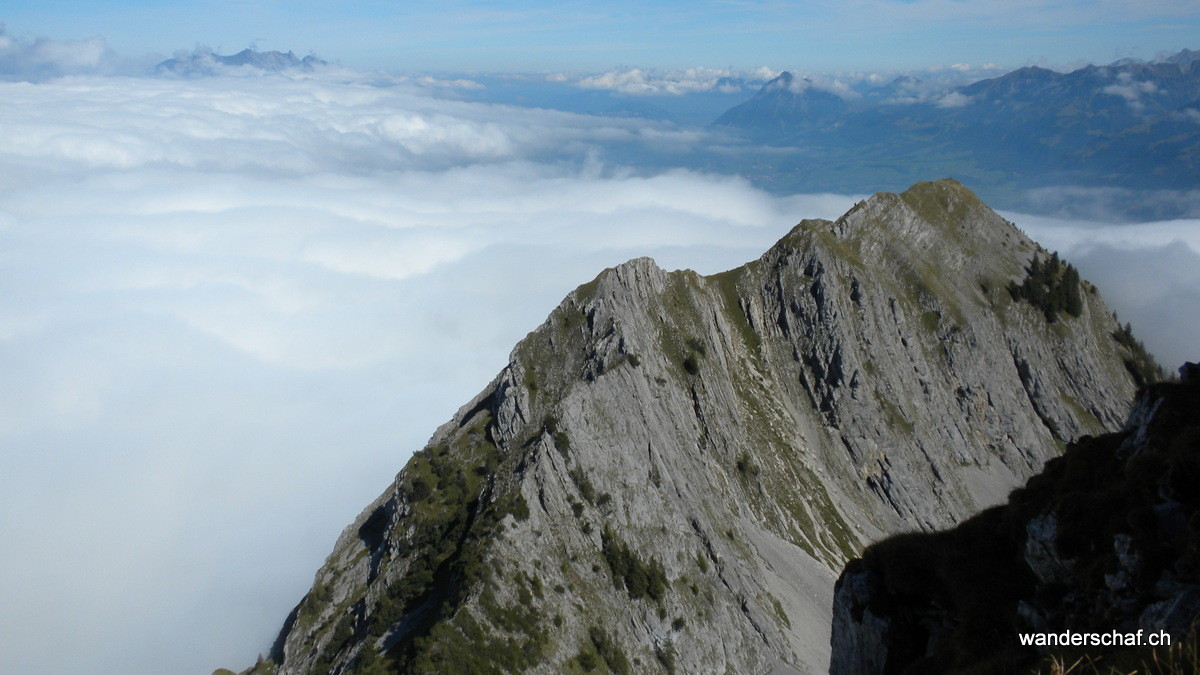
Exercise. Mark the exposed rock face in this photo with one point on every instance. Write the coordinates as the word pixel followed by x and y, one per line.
pixel 1106 538
pixel 671 468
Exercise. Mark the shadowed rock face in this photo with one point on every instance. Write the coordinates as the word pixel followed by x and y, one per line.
pixel 671 468
pixel 1105 538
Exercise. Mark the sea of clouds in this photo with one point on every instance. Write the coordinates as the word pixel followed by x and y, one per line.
pixel 234 306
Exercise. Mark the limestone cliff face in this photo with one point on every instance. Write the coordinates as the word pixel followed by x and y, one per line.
pixel 671 469
pixel 1106 538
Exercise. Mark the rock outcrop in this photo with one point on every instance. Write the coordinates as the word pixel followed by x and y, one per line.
pixel 671 469
pixel 1106 538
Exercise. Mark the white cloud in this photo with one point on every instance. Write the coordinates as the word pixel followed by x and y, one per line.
pixel 762 74
pixel 234 306
pixel 953 100
pixel 926 85
pixel 1114 205
pixel 43 58
pixel 1149 273
pixel 832 83
pixel 1163 307
pixel 1130 90
pixel 837 86
pixel 677 82
pixel 1078 234
pixel 440 83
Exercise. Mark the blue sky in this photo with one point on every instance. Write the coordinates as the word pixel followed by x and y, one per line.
pixel 540 35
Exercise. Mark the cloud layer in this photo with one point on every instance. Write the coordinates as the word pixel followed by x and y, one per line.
pixel 1149 273
pixel 234 306
pixel 676 81
pixel 45 58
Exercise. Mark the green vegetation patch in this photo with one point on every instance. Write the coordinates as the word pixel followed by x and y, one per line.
pixel 945 204
pixel 584 484
pixel 896 418
pixel 694 353
pixel 1051 286
pixel 746 466
pixel 562 442
pixel 931 321
pixel 666 656
pixel 456 507
pixel 640 578
pixel 602 649
pixel 680 316
pixel 463 645
pixel 1140 364
pixel 779 613
pixel 727 284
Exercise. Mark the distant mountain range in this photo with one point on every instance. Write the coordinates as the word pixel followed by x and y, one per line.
pixel 1129 124
pixel 202 63
pixel 1130 128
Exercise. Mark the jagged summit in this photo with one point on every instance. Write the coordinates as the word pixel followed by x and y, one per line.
pixel 784 102
pixel 782 81
pixel 204 62
pixel 922 214
pixel 1183 58
pixel 671 469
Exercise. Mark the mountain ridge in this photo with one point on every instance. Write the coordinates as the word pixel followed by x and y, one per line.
pixel 205 62
pixel 671 469
pixel 1122 125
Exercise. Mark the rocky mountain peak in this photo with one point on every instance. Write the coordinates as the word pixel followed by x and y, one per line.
pixel 927 211
pixel 782 81
pixel 784 102
pixel 1184 58
pixel 671 468
pixel 206 63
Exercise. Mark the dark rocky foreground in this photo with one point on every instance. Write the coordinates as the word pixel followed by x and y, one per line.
pixel 1106 538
